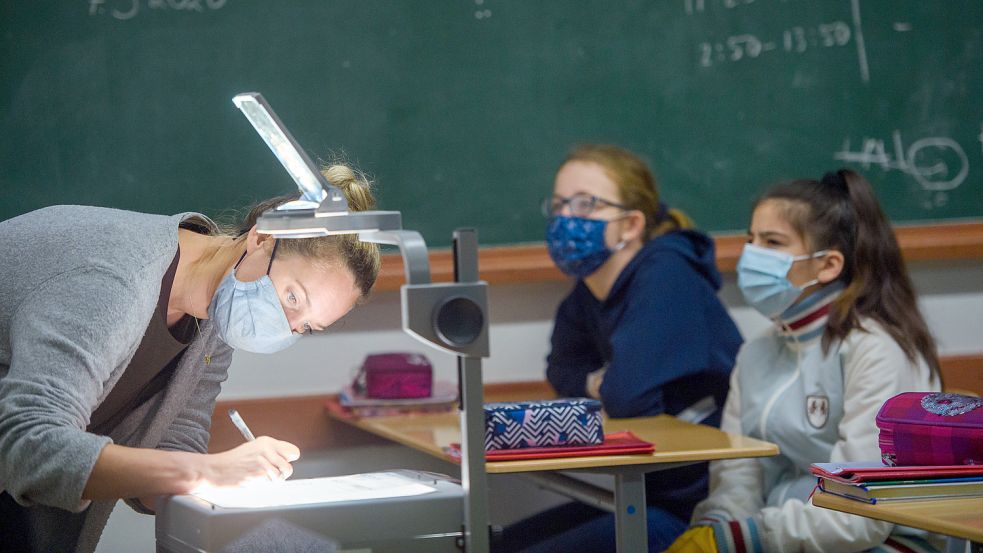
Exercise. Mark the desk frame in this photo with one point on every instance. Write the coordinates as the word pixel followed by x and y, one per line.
pixel 678 443
pixel 959 517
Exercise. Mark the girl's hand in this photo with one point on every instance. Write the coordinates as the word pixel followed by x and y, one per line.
pixel 594 381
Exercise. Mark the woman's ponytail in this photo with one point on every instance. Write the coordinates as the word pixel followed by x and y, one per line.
pixel 362 259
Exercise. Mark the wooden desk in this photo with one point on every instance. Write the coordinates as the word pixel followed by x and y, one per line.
pixel 677 443
pixel 961 518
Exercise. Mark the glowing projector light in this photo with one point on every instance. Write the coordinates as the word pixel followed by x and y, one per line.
pixel 355 487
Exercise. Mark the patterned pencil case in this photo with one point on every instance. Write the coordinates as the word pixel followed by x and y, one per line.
pixel 931 428
pixel 558 422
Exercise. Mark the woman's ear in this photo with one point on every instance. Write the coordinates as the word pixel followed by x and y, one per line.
pixel 255 240
pixel 632 226
pixel 831 266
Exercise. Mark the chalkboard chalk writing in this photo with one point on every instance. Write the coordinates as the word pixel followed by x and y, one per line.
pixel 460 110
pixel 938 163
pixel 483 13
pixel 699 6
pixel 793 40
pixel 128 9
pixel 796 39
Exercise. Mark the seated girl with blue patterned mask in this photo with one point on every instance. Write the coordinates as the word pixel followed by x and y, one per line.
pixel 640 329
pixel 587 224
pixel 576 242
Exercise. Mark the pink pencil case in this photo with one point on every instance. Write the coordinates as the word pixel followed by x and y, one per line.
pixel 395 376
pixel 931 428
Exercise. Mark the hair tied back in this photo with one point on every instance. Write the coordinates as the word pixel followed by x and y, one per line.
pixel 835 179
pixel 661 213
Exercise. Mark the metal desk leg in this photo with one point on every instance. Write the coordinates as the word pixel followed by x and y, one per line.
pixel 630 519
pixel 473 477
pixel 956 545
pixel 960 545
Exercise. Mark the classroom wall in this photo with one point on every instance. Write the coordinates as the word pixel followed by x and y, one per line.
pixel 951 297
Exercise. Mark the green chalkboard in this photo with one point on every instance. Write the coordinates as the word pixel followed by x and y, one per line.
pixel 462 109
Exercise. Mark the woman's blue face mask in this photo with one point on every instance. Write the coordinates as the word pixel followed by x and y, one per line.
pixel 762 276
pixel 249 315
pixel 577 245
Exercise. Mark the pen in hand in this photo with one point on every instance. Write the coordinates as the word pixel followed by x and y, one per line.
pixel 241 425
pixel 275 474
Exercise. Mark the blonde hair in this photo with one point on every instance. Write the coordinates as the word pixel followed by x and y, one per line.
pixel 362 259
pixel 636 186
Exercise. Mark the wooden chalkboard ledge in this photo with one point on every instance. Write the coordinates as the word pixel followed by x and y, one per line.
pixel 530 263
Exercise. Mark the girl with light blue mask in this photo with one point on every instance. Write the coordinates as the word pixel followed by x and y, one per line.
pixel 763 277
pixel 823 264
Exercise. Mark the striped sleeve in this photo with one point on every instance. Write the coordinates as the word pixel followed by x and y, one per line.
pixel 905 544
pixel 737 536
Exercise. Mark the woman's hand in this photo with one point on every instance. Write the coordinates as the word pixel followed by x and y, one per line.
pixel 263 458
pixel 122 471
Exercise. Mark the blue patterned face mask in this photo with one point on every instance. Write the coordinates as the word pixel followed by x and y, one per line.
pixel 249 315
pixel 762 276
pixel 577 244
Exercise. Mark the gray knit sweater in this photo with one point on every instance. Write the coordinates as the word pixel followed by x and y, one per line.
pixel 78 286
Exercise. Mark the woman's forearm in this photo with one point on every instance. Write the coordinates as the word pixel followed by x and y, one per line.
pixel 122 472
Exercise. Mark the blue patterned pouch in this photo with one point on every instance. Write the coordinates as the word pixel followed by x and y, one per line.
pixel 557 422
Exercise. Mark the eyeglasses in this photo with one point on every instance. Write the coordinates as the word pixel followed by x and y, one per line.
pixel 581 205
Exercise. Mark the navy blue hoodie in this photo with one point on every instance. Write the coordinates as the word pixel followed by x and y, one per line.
pixel 666 341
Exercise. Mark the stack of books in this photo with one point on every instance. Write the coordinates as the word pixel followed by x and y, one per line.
pixel 352 404
pixel 872 482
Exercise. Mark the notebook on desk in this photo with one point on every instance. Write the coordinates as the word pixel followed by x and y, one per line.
pixel 617 443
pixel 350 405
pixel 870 471
pixel 899 490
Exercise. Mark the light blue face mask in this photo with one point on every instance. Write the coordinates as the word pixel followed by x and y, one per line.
pixel 249 315
pixel 762 276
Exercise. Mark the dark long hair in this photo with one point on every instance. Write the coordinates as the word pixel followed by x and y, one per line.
pixel 841 212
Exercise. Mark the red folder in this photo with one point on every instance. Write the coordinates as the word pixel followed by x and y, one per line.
pixel 617 443
pixel 873 471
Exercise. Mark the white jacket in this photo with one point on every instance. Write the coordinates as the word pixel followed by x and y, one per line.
pixel 817 408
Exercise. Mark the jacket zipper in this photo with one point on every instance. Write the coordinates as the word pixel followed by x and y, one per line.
pixel 763 424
